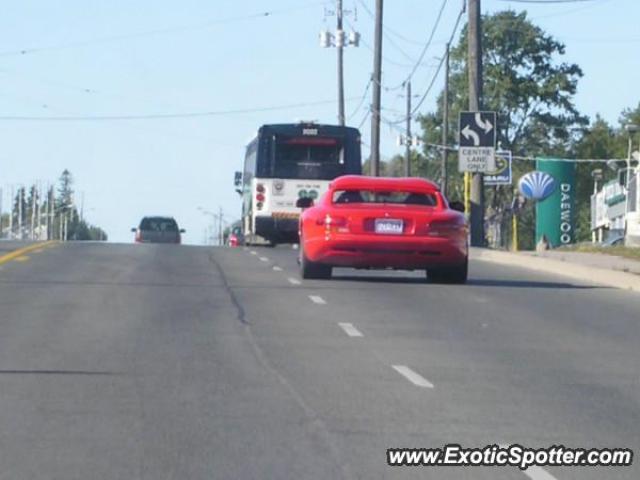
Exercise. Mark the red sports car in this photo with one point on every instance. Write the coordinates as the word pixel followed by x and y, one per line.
pixel 379 222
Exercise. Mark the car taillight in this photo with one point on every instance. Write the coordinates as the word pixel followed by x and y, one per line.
pixel 447 228
pixel 334 224
pixel 138 238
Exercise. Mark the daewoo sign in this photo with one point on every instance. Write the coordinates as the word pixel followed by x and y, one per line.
pixel 555 210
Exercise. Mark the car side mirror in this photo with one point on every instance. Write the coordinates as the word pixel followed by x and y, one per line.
pixel 134 230
pixel 304 202
pixel 237 179
pixel 238 191
pixel 182 230
pixel 457 206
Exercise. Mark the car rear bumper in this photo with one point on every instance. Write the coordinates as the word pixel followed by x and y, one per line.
pixel 374 251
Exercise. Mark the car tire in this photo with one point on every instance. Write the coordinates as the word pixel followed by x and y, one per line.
pixel 313 270
pixel 456 274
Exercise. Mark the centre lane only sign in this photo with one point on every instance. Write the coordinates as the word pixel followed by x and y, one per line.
pixel 477 142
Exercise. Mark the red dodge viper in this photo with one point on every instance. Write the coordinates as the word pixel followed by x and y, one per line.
pixel 379 222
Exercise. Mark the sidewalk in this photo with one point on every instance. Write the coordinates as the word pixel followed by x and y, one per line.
pixel 609 270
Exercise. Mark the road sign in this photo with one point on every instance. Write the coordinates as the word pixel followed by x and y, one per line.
pixel 477 142
pixel 502 175
pixel 477 129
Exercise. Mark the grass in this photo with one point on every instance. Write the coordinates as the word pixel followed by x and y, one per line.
pixel 632 253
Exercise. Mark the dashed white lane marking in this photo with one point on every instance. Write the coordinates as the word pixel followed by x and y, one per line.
pixel 538 473
pixel 293 281
pixel 350 330
pixel 277 268
pixel 253 252
pixel 264 259
pixel 317 299
pixel 412 376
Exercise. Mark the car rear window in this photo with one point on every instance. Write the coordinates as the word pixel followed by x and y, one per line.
pixel 159 224
pixel 394 197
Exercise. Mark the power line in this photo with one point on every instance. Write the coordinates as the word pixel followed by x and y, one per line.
pixel 164 116
pixel 161 31
pixel 362 99
pixel 547 1
pixel 428 44
pixel 442 59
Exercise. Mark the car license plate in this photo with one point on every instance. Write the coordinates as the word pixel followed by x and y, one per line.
pixel 388 226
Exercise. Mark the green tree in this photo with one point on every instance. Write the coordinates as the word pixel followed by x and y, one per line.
pixel 529 88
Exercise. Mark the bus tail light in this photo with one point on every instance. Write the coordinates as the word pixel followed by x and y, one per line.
pixel 260 188
pixel 259 205
pixel 260 197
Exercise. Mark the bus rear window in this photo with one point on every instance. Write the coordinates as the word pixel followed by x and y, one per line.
pixel 316 158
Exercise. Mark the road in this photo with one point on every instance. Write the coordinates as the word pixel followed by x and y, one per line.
pixel 166 362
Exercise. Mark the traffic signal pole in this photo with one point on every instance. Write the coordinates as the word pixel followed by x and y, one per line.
pixel 475 101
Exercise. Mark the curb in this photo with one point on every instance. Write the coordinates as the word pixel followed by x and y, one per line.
pixel 21 251
pixel 599 276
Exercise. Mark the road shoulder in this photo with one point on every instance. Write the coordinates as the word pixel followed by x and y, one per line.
pixel 563 267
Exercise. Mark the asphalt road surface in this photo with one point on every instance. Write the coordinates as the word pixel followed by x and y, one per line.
pixel 174 362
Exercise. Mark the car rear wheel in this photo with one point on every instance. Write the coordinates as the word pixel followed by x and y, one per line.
pixel 455 274
pixel 313 270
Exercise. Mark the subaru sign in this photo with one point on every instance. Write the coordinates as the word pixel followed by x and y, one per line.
pixel 537 185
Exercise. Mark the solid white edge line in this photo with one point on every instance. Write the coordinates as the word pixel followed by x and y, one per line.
pixel 412 376
pixel 317 299
pixel 277 268
pixel 264 259
pixel 350 330
pixel 293 281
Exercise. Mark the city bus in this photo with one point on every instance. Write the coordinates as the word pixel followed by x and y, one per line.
pixel 285 162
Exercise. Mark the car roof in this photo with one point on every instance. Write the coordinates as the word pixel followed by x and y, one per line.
pixel 384 183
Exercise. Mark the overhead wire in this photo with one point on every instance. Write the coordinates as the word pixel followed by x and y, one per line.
pixel 426 45
pixel 164 116
pixel 161 31
pixel 442 59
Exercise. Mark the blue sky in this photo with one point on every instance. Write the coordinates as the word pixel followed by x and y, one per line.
pixel 154 57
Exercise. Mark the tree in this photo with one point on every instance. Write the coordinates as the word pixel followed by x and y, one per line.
pixel 531 91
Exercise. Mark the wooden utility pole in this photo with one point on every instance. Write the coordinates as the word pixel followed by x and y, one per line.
pixel 377 82
pixel 341 118
pixel 474 30
pixel 445 124
pixel 407 140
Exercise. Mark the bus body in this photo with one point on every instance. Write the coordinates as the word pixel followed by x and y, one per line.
pixel 285 162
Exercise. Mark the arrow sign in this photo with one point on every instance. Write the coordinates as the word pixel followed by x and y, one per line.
pixel 486 126
pixel 467 132
pixel 477 129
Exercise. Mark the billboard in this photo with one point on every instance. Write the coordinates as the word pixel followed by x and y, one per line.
pixel 555 214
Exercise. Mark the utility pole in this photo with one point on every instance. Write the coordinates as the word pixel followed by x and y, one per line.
pixel 341 119
pixel 20 197
pixel 445 123
pixel 475 102
pixel 220 229
pixel 13 196
pixel 375 104
pixel 407 152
